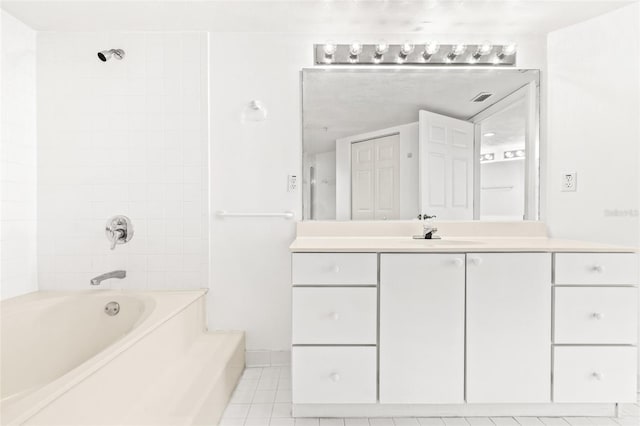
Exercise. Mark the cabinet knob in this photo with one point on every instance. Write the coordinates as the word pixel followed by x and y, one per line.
pixel 598 376
pixel 335 268
pixel 597 315
pixel 334 316
pixel 458 262
pixel 475 261
pixel 598 268
pixel 335 377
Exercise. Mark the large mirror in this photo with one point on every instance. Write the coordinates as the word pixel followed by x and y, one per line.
pixel 459 144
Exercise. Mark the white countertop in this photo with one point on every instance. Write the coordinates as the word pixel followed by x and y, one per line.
pixel 396 244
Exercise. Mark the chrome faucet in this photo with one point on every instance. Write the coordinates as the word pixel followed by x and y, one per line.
pixel 113 274
pixel 428 230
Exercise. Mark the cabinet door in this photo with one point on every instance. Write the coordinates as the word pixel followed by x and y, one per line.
pixel 508 327
pixel 422 328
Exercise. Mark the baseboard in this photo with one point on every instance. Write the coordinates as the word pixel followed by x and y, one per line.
pixel 453 410
pixel 267 358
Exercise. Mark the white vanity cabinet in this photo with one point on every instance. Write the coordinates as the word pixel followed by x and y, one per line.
pixel 335 322
pixel 508 327
pixel 422 328
pixel 595 332
pixel 463 333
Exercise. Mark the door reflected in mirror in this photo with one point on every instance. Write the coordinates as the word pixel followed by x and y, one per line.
pixel 394 144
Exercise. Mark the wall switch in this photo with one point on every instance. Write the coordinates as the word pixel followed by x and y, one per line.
pixel 569 181
pixel 292 183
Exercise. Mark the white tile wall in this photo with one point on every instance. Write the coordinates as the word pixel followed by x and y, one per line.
pixel 18 159
pixel 123 137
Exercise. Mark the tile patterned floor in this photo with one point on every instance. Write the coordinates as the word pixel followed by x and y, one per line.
pixel 263 398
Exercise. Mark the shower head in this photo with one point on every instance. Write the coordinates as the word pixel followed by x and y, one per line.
pixel 105 55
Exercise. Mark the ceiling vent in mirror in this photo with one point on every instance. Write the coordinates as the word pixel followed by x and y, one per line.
pixel 481 97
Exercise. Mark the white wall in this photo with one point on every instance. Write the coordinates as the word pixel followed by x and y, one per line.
pixel 123 137
pixel 325 188
pixel 593 109
pixel 250 279
pixel 502 190
pixel 594 128
pixel 18 151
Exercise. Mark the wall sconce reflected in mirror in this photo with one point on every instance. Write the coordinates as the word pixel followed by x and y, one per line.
pixel 254 111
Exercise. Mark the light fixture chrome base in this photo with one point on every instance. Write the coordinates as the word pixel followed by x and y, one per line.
pixel 398 54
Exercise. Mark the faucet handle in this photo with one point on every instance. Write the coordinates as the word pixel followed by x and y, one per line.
pixel 119 230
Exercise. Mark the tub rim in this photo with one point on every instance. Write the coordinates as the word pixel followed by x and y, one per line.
pixel 32 401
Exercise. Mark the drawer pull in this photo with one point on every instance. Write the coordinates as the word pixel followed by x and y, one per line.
pixel 334 316
pixel 475 261
pixel 598 268
pixel 597 315
pixel 335 269
pixel 598 376
pixel 335 377
pixel 458 262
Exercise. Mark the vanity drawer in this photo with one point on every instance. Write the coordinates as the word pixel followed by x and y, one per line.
pixel 333 375
pixel 335 315
pixel 596 268
pixel 595 374
pixel 335 269
pixel 596 315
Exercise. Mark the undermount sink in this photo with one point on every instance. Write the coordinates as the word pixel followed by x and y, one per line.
pixel 444 242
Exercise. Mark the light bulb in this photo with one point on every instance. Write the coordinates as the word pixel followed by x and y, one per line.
pixel 483 49
pixel 406 49
pixel 382 48
pixel 355 49
pixel 329 49
pixel 458 49
pixel 431 48
pixel 509 49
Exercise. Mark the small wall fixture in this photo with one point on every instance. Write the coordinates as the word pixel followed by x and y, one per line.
pixel 105 55
pixel 254 111
pixel 430 53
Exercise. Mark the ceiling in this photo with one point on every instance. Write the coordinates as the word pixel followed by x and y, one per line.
pixel 506 127
pixel 339 103
pixel 311 16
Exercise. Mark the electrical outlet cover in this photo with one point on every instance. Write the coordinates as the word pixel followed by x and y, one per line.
pixel 569 181
pixel 292 183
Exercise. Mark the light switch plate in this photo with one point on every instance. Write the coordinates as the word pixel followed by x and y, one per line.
pixel 569 181
pixel 292 183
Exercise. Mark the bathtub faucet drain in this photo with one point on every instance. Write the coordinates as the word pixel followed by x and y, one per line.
pixel 112 308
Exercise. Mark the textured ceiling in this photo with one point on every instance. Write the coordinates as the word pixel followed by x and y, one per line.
pixel 339 103
pixel 508 17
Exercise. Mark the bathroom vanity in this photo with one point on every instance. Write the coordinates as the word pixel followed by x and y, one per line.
pixel 493 319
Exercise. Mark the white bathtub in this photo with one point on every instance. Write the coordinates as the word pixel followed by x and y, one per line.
pixel 65 361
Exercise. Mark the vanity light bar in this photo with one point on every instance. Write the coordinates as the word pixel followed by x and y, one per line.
pixel 429 53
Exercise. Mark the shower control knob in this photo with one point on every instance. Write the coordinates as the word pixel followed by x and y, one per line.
pixel 119 230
